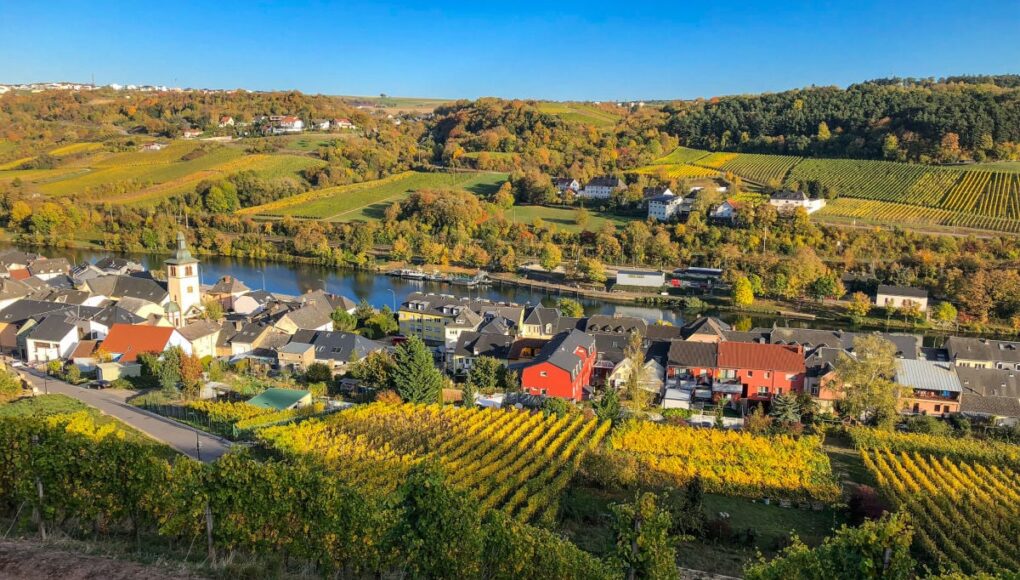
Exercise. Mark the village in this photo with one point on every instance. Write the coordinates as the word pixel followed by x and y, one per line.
pixel 101 319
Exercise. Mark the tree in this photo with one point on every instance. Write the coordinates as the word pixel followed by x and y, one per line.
pixel 582 217
pixel 415 376
pixel 401 251
pixel 363 310
pixel 570 308
pixel 827 286
pixel 823 132
pixel 318 373
pixel 743 293
pixel 635 355
pixel 484 374
pixel 381 324
pixel 343 321
pixel 945 313
pixel 786 408
pixel 592 270
pixel 374 369
pixel 608 407
pixel 757 421
pixel 468 392
pixel 191 376
pixel 438 530
pixel 169 368
pixel 687 509
pixel 949 147
pixel 551 256
pixel 865 381
pixel 876 549
pixel 212 309
pixel 891 147
pixel 859 305
pixel 644 548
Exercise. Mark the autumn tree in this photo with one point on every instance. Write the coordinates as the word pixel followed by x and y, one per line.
pixel 644 548
pixel 859 305
pixel 865 381
pixel 570 308
pixel 743 293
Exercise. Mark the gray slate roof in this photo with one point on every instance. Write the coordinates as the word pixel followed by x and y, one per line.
pixel 139 287
pixel 982 349
pixel 907 291
pixel 693 354
pixel 338 346
pixel 471 344
pixel 927 375
pixel 989 391
pixel 616 324
pixel 52 328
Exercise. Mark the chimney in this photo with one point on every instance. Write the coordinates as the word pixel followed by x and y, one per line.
pixel 237 325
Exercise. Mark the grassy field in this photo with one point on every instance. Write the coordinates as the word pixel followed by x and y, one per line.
pixel 368 201
pixel 580 113
pixel 563 218
pixel 398 104
pixel 48 405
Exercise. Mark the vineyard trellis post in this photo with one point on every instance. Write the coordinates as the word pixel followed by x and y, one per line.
pixel 210 548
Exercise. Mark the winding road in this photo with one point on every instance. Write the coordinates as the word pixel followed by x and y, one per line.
pixel 192 442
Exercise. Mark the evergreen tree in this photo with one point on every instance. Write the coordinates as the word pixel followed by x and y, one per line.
pixel 608 407
pixel 786 408
pixel 415 376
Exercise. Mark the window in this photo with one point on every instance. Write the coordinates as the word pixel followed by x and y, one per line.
pixel 542 391
pixel 750 373
pixel 191 290
pixel 187 270
pixel 543 374
pixel 779 391
pixel 763 390
pixel 766 374
pixel 938 408
pixel 814 390
pixel 173 270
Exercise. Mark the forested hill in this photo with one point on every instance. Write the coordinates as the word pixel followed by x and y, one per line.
pixel 944 120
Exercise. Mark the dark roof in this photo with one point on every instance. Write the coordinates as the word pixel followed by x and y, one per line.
pixel 249 333
pixel 541 315
pixel 664 332
pixel 520 344
pixel 746 336
pixel 229 285
pixel 989 391
pixel 496 325
pixel 114 314
pixel 49 266
pixel 22 310
pixel 606 181
pixel 902 291
pixel 140 287
pixel 53 328
pixel 908 346
pixel 198 329
pixel 616 324
pixel 790 195
pixel 311 316
pixel 10 288
pixel 338 346
pixel 705 326
pixel 114 263
pixel 822 360
pixel 492 345
pixel 982 349
pixel 329 301
pixel 560 351
pixel 693 354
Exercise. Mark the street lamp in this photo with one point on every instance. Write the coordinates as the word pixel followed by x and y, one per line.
pixel 390 290
pixel 263 272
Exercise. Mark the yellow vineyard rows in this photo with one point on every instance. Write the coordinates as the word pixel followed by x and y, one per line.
pixel 966 515
pixel 515 461
pixel 756 167
pixel 870 211
pixel 716 160
pixel 676 171
pixel 730 462
pixel 322 193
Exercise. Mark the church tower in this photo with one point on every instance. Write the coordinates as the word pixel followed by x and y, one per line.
pixel 182 283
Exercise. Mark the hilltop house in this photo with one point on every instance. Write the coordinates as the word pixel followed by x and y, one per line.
pixel 602 187
pixel 787 201
pixel 562 184
pixel 664 207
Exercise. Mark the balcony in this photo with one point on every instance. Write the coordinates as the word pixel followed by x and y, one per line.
pixel 933 396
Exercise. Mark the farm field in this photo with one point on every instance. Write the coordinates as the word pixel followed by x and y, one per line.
pixel 680 155
pixel 579 113
pixel 367 201
pixel 562 217
pixel 672 171
pixel 515 461
pixel 144 177
pixel 965 514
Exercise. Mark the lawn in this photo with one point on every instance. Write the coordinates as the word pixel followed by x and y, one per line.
pixel 562 217
pixel 368 201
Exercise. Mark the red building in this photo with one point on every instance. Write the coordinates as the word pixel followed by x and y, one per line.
pixel 563 367
pixel 763 370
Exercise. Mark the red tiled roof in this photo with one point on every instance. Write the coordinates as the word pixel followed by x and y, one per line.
pixel 19 273
pixel 751 355
pixel 130 340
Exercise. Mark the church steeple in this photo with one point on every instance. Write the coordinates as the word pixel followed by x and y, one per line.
pixel 183 283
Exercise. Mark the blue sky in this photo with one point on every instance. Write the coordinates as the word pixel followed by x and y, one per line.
pixel 594 50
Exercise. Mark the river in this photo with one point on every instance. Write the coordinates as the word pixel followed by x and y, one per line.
pixel 294 278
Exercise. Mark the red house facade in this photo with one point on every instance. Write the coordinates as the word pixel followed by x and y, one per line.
pixel 763 370
pixel 563 368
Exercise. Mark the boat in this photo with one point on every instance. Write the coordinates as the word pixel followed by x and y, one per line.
pixel 409 274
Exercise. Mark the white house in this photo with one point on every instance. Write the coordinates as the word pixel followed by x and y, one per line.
pixel 640 278
pixel 664 207
pixel 226 121
pixel 321 124
pixel 725 211
pixel 564 183
pixel 286 124
pixel 787 201
pixel 900 296
pixel 601 187
pixel 52 339
pixel 342 123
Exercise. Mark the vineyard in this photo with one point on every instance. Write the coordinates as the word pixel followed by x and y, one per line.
pixel 881 212
pixel 881 192
pixel 966 515
pixel 515 461
pixel 965 449
pixel 730 462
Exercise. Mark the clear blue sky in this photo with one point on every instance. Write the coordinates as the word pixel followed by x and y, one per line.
pixel 594 50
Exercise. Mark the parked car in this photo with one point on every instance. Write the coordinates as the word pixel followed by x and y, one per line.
pixel 99 385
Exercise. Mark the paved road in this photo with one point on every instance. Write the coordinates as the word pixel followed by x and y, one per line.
pixel 114 403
